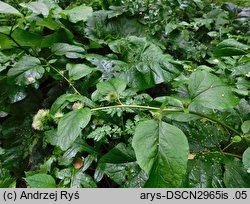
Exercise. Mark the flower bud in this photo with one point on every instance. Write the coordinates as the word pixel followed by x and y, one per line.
pixel 77 105
pixel 40 119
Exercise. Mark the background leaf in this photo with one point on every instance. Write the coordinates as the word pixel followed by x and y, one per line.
pixel 230 47
pixel 37 7
pixel 235 175
pixel 246 159
pixel 27 70
pixel 70 51
pixel 100 27
pixel 119 165
pixel 82 180
pixel 245 127
pixel 65 99
pixel 146 63
pixel 7 9
pixel 77 71
pixel 78 13
pixel 115 85
pixel 204 173
pixel 209 91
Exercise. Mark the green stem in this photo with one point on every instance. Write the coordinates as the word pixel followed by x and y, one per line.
pixel 217 121
pixel 221 152
pixel 233 155
pixel 227 146
pixel 125 106
pixel 66 79
pixel 168 110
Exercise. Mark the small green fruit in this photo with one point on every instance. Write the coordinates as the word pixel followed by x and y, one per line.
pixel 236 139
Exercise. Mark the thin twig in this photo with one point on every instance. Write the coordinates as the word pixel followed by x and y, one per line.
pixel 61 74
pixel 233 155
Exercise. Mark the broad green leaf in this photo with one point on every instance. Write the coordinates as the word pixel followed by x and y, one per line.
pixel 162 152
pixel 6 42
pixel 37 7
pixel 82 180
pixel 235 175
pixel 79 13
pixel 230 47
pixel 182 117
pixel 243 108
pixel 209 91
pixel 170 101
pixel 51 137
pixel 243 85
pixel 7 9
pixel 245 127
pixel 246 159
pixel 115 85
pixel 17 95
pixel 77 71
pixel 126 174
pixel 61 35
pixel 40 181
pixel 64 173
pixel 137 179
pixel 202 135
pixel 27 70
pixel 119 165
pixel 170 27
pixel 232 43
pixel 146 65
pixel 101 28
pixel 106 65
pixel 65 99
pixel 49 23
pixel 69 155
pixel 70 51
pixel 204 173
pixel 241 70
pixel 71 125
pixel 3 58
pixel 22 37
pixel 46 166
pixel 119 154
pixel 27 38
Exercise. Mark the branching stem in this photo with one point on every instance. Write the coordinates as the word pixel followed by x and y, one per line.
pixel 66 79
pixel 169 110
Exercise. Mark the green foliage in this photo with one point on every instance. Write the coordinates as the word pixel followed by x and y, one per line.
pixel 70 126
pixel 124 94
pixel 208 90
pixel 246 158
pixel 26 71
pixel 40 181
pixel 167 153
pixel 5 8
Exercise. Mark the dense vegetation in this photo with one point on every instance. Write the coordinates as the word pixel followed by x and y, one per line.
pixel 124 93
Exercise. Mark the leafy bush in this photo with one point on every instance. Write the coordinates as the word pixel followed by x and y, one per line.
pixel 124 94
